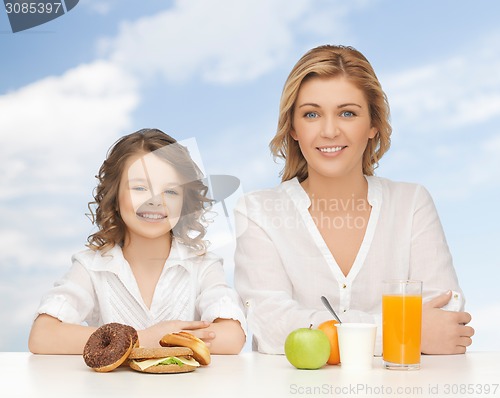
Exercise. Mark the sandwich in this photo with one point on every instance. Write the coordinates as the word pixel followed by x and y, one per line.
pixel 162 360
pixel 184 339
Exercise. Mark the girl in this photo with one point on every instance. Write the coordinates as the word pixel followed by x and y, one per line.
pixel 332 228
pixel 146 266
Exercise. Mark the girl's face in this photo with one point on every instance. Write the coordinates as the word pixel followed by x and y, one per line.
pixel 150 196
pixel 332 125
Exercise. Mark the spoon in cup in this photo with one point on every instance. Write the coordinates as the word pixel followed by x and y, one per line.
pixel 330 308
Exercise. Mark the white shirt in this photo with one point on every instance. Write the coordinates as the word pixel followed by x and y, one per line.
pixel 101 288
pixel 283 266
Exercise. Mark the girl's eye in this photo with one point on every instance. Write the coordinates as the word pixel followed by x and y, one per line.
pixel 311 115
pixel 347 114
pixel 171 192
pixel 138 188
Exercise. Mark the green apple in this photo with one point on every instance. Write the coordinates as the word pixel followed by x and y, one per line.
pixel 307 348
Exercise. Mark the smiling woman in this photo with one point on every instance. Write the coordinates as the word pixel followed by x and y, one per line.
pixel 147 265
pixel 332 228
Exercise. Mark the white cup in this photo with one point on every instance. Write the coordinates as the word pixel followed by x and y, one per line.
pixel 356 345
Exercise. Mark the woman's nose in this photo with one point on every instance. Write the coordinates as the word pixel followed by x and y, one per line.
pixel 330 127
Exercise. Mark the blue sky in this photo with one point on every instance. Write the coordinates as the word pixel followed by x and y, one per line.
pixel 213 70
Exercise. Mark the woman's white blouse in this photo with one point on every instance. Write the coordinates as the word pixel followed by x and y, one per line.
pixel 283 266
pixel 101 288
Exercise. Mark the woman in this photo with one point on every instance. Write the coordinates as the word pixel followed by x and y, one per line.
pixel 332 228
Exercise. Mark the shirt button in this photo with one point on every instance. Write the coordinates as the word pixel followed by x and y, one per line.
pixel 247 303
pixel 344 286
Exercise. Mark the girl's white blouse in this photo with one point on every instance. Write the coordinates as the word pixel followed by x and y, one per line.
pixel 101 288
pixel 283 266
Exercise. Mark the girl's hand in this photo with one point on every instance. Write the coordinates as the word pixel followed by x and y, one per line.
pixel 222 336
pixel 207 335
pixel 444 332
pixel 151 336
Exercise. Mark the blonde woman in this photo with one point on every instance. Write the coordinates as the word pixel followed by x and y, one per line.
pixel 147 265
pixel 331 227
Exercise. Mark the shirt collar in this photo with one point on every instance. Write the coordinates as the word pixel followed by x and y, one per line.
pixel 301 198
pixel 114 261
pixel 298 195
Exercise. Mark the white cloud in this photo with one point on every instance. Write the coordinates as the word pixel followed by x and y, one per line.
pixel 450 93
pixel 100 7
pixel 445 117
pixel 53 127
pixel 221 41
pixel 483 169
pixel 56 132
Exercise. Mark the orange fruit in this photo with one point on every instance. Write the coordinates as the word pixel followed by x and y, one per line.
pixel 328 327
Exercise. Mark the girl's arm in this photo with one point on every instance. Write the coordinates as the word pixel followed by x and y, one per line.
pixel 51 336
pixel 218 303
pixel 228 336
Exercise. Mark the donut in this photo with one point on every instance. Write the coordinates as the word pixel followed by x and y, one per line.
pixel 109 346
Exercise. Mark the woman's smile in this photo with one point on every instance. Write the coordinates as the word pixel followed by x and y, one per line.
pixel 331 150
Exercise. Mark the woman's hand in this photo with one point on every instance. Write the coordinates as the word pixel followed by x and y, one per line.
pixel 151 336
pixel 444 332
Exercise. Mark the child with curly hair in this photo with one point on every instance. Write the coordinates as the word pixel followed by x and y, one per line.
pixel 147 264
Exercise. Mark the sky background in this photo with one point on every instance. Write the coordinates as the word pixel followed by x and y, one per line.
pixel 211 72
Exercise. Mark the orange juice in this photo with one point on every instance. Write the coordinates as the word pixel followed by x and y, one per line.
pixel 401 328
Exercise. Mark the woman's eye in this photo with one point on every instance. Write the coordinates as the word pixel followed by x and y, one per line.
pixel 347 114
pixel 138 188
pixel 311 115
pixel 171 192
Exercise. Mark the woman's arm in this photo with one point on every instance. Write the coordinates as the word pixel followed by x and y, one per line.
pixel 264 285
pixel 443 332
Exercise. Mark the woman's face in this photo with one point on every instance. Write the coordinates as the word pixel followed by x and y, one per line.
pixel 332 125
pixel 150 196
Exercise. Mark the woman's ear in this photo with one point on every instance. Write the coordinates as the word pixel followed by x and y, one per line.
pixel 294 135
pixel 373 132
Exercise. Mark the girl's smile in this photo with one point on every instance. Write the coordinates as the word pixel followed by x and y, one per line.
pixel 150 197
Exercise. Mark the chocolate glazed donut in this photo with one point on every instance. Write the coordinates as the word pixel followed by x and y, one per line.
pixel 109 346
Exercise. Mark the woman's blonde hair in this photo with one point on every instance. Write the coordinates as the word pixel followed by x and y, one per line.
pixel 106 214
pixel 331 61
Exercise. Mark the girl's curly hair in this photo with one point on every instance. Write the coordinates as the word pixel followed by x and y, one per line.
pixel 191 227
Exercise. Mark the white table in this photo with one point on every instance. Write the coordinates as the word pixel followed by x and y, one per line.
pixel 250 375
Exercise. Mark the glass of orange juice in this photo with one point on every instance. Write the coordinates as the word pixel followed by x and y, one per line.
pixel 401 324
